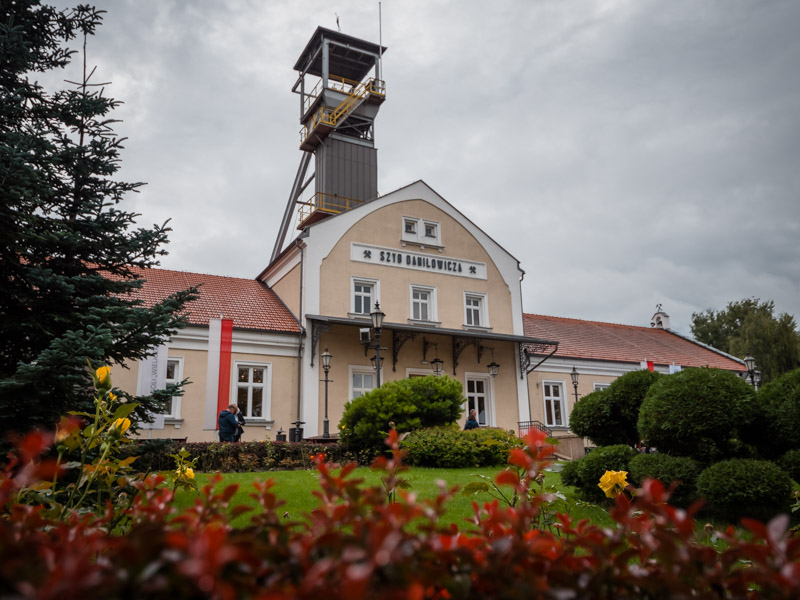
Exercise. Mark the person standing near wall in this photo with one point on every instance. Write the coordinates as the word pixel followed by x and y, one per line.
pixel 472 421
pixel 240 422
pixel 228 424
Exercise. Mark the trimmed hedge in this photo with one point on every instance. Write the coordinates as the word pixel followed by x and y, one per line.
pixel 790 463
pixel 451 448
pixel 610 416
pixel 697 413
pixel 154 455
pixel 409 404
pixel 740 487
pixel 668 469
pixel 586 475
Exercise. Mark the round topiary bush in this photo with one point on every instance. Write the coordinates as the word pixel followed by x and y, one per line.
pixel 610 416
pixel 790 463
pixel 593 466
pixel 447 447
pixel 697 413
pixel 776 428
pixel 668 469
pixel 591 417
pixel 742 487
pixel 407 403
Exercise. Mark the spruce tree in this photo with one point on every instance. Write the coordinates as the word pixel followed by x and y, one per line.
pixel 72 258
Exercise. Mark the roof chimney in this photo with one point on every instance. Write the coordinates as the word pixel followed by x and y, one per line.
pixel 660 320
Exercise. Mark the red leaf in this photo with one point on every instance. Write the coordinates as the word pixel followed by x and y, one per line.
pixel 507 478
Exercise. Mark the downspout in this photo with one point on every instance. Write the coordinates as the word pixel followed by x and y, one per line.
pixel 301 335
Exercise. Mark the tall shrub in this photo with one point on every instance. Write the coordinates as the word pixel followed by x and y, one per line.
pixel 407 403
pixel 697 413
pixel 610 416
pixel 776 426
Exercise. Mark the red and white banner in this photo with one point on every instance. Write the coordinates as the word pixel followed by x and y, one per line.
pixel 218 370
pixel 648 364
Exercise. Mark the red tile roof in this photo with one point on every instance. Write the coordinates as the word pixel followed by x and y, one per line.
pixel 624 343
pixel 251 304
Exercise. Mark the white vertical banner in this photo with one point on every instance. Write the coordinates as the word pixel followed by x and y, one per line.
pixel 153 376
pixel 673 368
pixel 212 374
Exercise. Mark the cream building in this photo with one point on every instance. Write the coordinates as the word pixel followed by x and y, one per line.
pixel 450 295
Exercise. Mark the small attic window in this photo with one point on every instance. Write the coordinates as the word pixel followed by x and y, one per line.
pixel 421 232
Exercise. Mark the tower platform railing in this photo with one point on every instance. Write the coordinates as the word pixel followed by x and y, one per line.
pixel 327 118
pixel 325 203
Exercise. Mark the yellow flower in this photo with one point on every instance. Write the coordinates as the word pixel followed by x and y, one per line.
pixel 112 396
pixel 613 483
pixel 185 472
pixel 120 426
pixel 103 374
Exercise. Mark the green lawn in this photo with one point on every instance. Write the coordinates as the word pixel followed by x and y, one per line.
pixel 296 486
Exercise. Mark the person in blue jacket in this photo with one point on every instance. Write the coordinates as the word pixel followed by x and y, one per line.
pixel 472 421
pixel 228 424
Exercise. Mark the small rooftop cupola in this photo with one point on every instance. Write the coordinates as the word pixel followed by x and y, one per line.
pixel 341 89
pixel 660 320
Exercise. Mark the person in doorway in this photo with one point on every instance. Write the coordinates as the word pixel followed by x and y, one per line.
pixel 472 421
pixel 239 426
pixel 228 424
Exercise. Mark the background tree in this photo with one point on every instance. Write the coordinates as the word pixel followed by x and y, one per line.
pixel 751 326
pixel 70 260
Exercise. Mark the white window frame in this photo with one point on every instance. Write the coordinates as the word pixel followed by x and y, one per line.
pixel 488 397
pixel 361 370
pixel 266 412
pixel 175 405
pixel 376 294
pixel 433 240
pixel 419 235
pixel 432 312
pixel 562 401
pixel 483 310
pixel 601 385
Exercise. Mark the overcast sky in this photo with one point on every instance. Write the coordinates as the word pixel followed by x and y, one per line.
pixel 628 153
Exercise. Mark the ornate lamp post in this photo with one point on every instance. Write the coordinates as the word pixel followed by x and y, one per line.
pixel 438 366
pixel 574 376
pixel 750 365
pixel 493 367
pixel 326 366
pixel 377 323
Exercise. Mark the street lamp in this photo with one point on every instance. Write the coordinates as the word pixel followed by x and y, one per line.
pixel 326 366
pixel 494 368
pixel 377 322
pixel 438 366
pixel 574 376
pixel 750 365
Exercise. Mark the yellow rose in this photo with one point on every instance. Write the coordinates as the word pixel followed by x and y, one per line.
pixel 120 426
pixel 613 483
pixel 103 374
pixel 184 473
